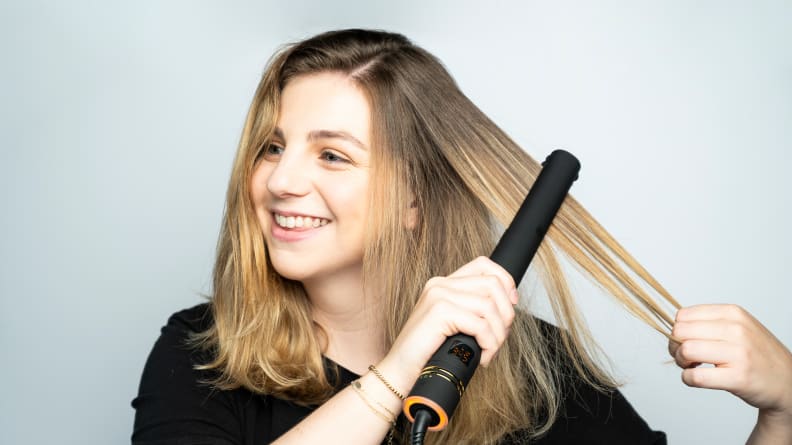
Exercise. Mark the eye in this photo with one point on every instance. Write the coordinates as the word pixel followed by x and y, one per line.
pixel 332 157
pixel 270 151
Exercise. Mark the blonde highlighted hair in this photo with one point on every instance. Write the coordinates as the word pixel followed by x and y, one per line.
pixel 432 150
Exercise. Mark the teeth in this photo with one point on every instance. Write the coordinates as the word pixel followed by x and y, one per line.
pixel 299 221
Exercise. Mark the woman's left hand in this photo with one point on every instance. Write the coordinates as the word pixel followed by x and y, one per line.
pixel 749 361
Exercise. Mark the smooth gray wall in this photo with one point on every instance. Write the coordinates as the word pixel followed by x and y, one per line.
pixel 119 123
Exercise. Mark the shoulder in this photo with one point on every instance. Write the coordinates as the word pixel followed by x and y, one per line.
pixel 195 319
pixel 174 346
pixel 173 401
pixel 588 415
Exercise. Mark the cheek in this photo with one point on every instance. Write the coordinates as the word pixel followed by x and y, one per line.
pixel 258 183
pixel 259 194
pixel 350 201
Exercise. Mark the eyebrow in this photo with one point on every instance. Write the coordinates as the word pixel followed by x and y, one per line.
pixel 327 134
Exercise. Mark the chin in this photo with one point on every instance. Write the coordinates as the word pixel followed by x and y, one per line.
pixel 289 270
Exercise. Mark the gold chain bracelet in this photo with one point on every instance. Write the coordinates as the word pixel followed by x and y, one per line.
pixel 379 375
pixel 391 420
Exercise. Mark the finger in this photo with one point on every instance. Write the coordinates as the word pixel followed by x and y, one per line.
pixel 727 330
pixel 727 379
pixel 489 286
pixel 475 304
pixel 672 347
pixel 460 320
pixel 694 352
pixel 485 266
pixel 712 312
pixel 486 308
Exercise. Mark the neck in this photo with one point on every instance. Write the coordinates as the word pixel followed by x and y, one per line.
pixel 349 316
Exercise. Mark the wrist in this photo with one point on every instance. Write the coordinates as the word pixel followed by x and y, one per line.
pixel 773 418
pixel 400 378
pixel 380 395
pixel 772 427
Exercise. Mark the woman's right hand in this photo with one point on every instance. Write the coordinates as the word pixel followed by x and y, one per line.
pixel 477 300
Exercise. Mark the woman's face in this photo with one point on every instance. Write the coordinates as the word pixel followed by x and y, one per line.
pixel 310 187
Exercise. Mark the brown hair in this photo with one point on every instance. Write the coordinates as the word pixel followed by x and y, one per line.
pixel 434 150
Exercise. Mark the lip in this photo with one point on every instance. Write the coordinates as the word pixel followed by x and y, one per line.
pixel 291 235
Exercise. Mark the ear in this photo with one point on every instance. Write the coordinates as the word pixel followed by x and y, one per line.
pixel 411 219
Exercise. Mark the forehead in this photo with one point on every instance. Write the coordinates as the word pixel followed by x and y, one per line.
pixel 324 101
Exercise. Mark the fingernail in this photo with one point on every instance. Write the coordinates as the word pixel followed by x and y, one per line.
pixel 515 297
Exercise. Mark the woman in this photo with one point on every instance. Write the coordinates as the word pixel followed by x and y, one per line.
pixel 364 184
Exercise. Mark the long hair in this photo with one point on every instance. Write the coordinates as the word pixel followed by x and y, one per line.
pixel 434 153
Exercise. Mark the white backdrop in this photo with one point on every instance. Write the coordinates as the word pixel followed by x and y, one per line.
pixel 119 123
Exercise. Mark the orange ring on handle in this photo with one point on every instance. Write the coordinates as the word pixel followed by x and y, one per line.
pixel 412 400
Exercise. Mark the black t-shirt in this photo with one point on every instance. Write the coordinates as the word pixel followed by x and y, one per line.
pixel 173 407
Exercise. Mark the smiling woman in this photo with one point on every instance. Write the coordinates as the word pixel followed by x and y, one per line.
pixel 365 191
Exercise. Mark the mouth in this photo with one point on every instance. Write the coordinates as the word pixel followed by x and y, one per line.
pixel 298 221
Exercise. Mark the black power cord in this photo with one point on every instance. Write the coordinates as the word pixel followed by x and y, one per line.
pixel 420 425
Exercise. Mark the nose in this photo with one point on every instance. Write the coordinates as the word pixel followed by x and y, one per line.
pixel 290 176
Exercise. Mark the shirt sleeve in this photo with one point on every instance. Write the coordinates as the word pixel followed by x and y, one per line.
pixel 173 407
